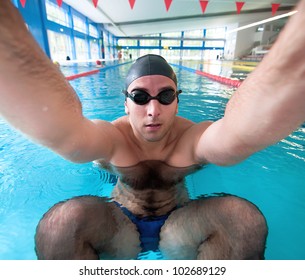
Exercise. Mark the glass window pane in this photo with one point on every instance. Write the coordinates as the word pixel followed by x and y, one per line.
pixel 171 34
pixel 81 48
pixel 219 32
pixel 149 42
pixel 170 43
pixel 127 42
pixel 93 31
pixel 57 14
pixel 215 44
pixel 79 24
pixel 192 54
pixel 193 34
pixel 94 49
pixel 60 45
pixel 152 35
pixel 189 43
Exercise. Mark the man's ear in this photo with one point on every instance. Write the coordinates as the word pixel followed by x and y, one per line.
pixel 126 108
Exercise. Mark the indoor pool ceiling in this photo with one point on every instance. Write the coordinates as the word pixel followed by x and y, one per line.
pixel 151 17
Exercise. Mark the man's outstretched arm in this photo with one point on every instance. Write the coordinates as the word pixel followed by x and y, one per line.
pixel 36 99
pixel 267 107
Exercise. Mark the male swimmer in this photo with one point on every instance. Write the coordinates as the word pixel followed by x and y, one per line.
pixel 151 150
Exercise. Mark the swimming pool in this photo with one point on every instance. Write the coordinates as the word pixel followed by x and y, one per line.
pixel 32 178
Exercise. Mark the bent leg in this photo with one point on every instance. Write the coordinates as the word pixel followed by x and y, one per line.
pixel 213 228
pixel 86 227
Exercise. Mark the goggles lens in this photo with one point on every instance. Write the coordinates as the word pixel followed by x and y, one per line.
pixel 141 97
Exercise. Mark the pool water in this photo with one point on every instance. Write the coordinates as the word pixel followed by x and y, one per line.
pixel 32 178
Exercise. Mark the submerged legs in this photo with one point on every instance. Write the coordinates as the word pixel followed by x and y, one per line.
pixel 86 227
pixel 215 228
pixel 212 228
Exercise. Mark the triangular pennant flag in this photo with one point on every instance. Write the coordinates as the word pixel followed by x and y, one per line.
pixel 23 3
pixel 131 3
pixel 59 2
pixel 275 6
pixel 167 4
pixel 95 3
pixel 239 6
pixel 203 5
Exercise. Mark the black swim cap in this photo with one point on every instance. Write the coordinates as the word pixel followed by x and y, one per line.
pixel 150 64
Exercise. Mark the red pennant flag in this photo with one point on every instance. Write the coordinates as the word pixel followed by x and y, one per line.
pixel 131 3
pixel 23 3
pixel 167 4
pixel 203 5
pixel 275 6
pixel 59 2
pixel 95 3
pixel 239 6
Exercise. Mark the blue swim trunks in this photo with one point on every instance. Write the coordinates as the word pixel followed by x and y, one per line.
pixel 148 227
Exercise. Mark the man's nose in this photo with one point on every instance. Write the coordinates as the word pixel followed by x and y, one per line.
pixel 153 108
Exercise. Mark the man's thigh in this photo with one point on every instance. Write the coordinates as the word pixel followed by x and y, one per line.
pixel 224 227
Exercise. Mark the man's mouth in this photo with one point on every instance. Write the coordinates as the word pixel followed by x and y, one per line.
pixel 153 125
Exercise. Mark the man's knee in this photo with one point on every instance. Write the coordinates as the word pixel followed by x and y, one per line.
pixel 242 215
pixel 86 226
pixel 70 213
pixel 63 226
pixel 223 227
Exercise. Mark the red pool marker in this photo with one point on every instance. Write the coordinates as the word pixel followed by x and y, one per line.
pixel 220 79
pixel 73 77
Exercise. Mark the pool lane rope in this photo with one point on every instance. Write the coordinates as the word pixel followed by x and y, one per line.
pixel 223 80
pixel 92 72
pixel 83 74
pixel 220 79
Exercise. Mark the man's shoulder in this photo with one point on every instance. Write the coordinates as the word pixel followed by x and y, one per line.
pixel 121 122
pixel 188 125
pixel 183 123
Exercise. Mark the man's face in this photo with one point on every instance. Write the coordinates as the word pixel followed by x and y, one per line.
pixel 151 121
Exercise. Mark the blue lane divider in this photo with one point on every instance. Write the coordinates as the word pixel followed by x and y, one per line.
pixel 184 67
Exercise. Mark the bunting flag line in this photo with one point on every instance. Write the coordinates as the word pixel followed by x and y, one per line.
pixel 203 5
pixel 95 3
pixel 131 3
pixel 23 3
pixel 275 6
pixel 239 6
pixel 59 2
pixel 167 4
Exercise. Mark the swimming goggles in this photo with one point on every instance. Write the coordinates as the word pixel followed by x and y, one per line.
pixel 141 97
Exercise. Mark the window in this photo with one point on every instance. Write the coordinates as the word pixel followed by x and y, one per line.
pixel 215 33
pixel 171 34
pixel 127 42
pixel 94 49
pixel 93 31
pixel 149 42
pixel 219 32
pixel 192 54
pixel 170 54
pixel 152 35
pixel 60 45
pixel 81 49
pixel 192 43
pixel 170 43
pixel 57 14
pixel 214 44
pixel 79 24
pixel 193 33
